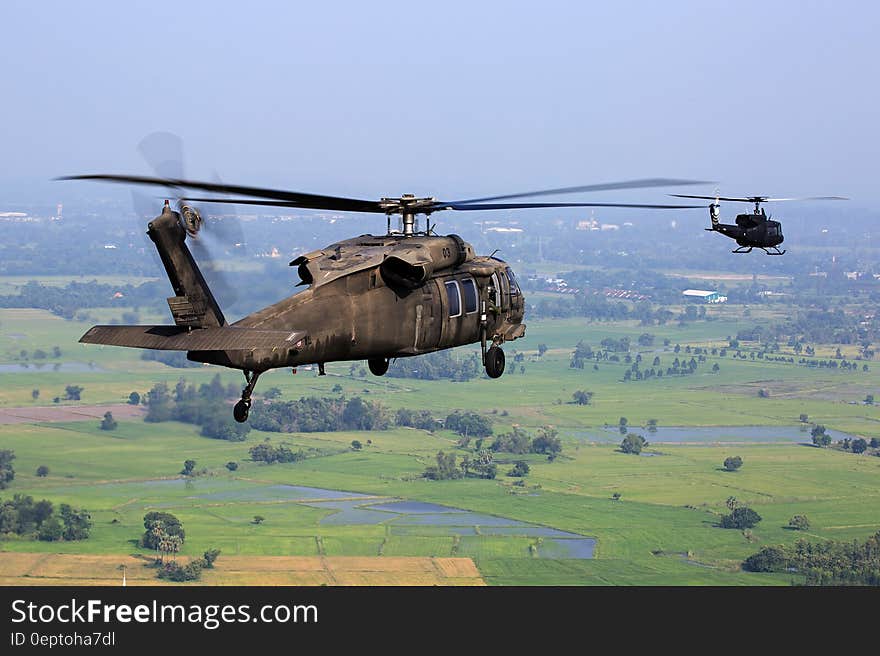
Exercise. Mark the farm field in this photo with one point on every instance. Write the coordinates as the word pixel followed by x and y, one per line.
pixel 661 531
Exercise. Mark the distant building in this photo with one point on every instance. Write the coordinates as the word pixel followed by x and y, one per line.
pixel 704 296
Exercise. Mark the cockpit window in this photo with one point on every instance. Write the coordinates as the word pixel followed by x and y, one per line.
pixel 514 286
pixel 494 290
pixel 454 296
pixel 469 291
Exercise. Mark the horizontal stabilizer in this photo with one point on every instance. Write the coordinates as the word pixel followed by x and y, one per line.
pixel 180 338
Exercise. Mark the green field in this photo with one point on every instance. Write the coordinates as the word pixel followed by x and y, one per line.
pixel 661 532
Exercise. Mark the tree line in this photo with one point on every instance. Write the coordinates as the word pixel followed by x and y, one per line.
pixel 37 520
pixel 824 563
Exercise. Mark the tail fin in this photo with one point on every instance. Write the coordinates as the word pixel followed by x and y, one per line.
pixel 715 213
pixel 193 305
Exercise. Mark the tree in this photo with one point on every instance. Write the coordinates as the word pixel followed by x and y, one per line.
pixel 231 465
pixel 221 427
pixel 188 466
pixel 209 557
pixel 763 393
pixel 799 523
pixel 272 393
pixel 547 442
pixel 733 463
pixel 444 469
pixel 804 418
pixel 468 423
pixel 731 503
pixel 42 471
pixel 633 443
pixel 35 394
pixel 258 519
pixel 520 468
pixel 77 523
pixel 869 399
pixel 134 399
pixel 108 423
pixel 356 445
pixel 73 392
pixel 768 559
pixel 820 437
pixel 858 445
pixel 158 403
pixel 741 517
pixel 542 349
pixel 616 496
pixel 158 524
pixel 50 530
pixel 581 397
pixel 715 368
pixel 7 473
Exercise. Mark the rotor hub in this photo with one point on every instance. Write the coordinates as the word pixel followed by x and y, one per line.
pixel 408 206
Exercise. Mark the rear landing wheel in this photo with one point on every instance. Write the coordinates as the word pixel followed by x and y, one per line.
pixel 378 366
pixel 241 411
pixel 494 362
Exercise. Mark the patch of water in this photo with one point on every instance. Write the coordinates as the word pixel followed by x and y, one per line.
pixel 414 507
pixel 463 518
pixel 350 512
pixel 280 493
pixel 527 531
pixel 704 434
pixel 579 548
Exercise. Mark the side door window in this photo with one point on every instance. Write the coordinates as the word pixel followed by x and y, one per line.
pixel 469 292
pixel 453 297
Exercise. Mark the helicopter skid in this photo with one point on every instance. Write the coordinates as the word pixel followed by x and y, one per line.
pixel 771 250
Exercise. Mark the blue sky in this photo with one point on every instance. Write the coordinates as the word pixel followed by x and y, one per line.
pixel 451 99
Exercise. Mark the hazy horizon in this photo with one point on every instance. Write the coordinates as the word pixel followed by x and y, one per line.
pixel 451 101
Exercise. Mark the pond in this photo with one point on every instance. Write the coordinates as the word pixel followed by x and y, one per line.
pixel 710 434
pixel 402 516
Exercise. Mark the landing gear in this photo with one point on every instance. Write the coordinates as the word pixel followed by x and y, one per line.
pixel 241 410
pixel 769 250
pixel 494 362
pixel 243 407
pixel 378 366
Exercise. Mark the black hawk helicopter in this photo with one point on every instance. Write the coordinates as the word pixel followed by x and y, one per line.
pixel 752 230
pixel 373 297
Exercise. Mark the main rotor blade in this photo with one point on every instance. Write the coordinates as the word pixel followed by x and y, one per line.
pixel 464 207
pixel 311 201
pixel 806 198
pixel 163 151
pixel 608 186
pixel 759 199
pixel 244 201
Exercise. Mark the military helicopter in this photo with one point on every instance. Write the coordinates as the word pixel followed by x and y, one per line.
pixel 754 230
pixel 372 297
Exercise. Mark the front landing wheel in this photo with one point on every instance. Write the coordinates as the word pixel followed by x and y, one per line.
pixel 378 366
pixel 494 362
pixel 241 411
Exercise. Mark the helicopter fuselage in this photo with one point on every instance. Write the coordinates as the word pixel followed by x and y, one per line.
pixel 385 297
pixel 753 230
